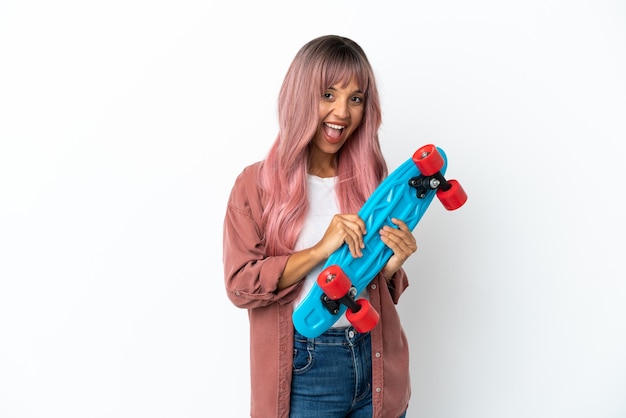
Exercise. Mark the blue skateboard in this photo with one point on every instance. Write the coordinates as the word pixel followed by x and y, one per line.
pixel 405 194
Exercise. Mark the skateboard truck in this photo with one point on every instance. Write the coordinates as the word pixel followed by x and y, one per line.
pixel 348 299
pixel 429 163
pixel 338 290
pixel 423 184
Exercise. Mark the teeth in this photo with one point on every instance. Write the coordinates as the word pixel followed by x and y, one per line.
pixel 330 125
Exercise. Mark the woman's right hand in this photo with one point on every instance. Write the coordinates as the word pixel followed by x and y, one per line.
pixel 348 228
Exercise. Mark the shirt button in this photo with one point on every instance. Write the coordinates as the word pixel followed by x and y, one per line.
pixel 373 286
pixel 378 390
pixel 351 334
pixel 377 355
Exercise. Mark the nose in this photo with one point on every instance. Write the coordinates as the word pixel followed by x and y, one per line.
pixel 342 109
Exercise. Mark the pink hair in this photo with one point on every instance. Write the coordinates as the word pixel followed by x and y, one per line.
pixel 321 63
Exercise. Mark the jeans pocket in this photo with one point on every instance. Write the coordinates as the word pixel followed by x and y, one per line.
pixel 302 358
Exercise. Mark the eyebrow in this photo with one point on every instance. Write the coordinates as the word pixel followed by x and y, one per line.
pixel 354 92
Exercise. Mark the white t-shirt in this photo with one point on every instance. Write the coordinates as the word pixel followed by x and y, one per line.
pixel 323 205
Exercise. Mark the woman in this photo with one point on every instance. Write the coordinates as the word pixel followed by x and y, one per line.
pixel 287 214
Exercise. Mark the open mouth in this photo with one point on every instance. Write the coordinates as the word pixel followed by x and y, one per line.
pixel 333 131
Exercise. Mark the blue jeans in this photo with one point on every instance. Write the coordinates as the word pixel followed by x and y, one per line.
pixel 332 375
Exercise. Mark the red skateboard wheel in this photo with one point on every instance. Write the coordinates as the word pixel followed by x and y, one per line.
pixel 334 282
pixel 428 160
pixel 365 319
pixel 454 197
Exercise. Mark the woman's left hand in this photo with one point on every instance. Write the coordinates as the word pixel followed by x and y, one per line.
pixel 402 243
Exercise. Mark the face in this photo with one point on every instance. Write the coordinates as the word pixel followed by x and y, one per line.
pixel 341 112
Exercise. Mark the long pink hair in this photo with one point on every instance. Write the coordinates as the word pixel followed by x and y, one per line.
pixel 321 63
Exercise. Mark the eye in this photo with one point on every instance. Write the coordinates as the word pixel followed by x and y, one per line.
pixel 327 95
pixel 357 99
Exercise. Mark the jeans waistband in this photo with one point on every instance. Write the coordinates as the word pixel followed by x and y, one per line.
pixel 335 336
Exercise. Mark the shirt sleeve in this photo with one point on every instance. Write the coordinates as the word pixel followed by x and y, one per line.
pixel 251 276
pixel 397 285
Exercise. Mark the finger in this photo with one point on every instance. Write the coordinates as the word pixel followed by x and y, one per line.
pixel 355 230
pixel 397 234
pixel 396 244
pixel 398 240
pixel 403 231
pixel 354 241
pixel 403 226
pixel 356 223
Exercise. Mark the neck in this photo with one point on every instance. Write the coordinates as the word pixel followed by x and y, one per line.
pixel 322 171
pixel 322 164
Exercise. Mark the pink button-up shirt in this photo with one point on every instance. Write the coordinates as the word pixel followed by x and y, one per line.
pixel 251 279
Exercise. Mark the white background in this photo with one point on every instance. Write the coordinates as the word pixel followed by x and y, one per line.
pixel 124 123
